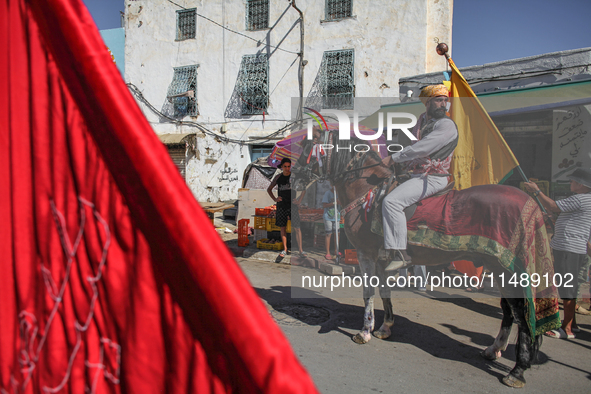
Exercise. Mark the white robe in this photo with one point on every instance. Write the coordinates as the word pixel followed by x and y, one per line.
pixel 420 186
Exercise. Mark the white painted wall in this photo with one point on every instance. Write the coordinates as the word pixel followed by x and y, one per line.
pixel 391 39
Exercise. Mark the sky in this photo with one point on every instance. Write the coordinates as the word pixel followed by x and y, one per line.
pixel 483 31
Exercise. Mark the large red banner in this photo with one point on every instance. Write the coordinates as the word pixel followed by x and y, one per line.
pixel 112 280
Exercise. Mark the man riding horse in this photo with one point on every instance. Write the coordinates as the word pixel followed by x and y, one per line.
pixel 428 161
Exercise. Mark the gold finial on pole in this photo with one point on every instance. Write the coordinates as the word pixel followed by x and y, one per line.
pixel 442 48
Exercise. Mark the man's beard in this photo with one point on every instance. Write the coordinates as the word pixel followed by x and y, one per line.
pixel 437 113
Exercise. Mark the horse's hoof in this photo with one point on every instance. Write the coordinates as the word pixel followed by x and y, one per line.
pixel 361 339
pixel 512 381
pixel 384 331
pixel 381 334
pixel 490 355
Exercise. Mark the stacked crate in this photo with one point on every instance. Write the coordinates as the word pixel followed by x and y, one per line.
pixel 266 230
pixel 243 232
pixel 351 257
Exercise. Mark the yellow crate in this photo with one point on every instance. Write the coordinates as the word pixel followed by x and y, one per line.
pixel 260 223
pixel 272 227
pixel 263 245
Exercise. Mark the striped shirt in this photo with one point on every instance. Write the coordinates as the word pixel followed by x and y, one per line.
pixel 573 226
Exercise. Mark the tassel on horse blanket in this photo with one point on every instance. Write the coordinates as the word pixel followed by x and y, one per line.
pixel 368 202
pixel 317 151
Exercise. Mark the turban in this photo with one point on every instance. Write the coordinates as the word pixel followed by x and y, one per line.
pixel 428 92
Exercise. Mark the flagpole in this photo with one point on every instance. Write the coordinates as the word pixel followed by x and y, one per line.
pixel 442 50
pixel 536 198
pixel 337 226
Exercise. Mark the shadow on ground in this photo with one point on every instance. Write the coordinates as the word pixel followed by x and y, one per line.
pixel 343 317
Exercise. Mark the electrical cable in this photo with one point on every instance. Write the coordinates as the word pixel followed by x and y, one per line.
pixel 255 140
pixel 235 32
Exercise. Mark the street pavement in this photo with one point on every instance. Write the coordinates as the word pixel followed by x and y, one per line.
pixel 435 346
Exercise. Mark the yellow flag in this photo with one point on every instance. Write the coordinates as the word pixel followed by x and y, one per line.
pixel 482 156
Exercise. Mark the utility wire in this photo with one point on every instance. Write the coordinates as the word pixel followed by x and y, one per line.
pixel 256 140
pixel 235 32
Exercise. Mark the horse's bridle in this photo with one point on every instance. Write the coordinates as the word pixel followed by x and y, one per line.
pixel 327 176
pixel 307 171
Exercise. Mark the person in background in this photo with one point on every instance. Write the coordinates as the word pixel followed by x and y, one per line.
pixel 583 278
pixel 295 220
pixel 285 210
pixel 331 221
pixel 569 243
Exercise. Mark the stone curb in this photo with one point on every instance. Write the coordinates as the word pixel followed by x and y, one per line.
pixel 323 265
pixel 266 255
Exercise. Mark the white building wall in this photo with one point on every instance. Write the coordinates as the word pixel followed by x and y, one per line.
pixel 391 39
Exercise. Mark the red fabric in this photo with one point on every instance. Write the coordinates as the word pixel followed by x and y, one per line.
pixel 490 211
pixel 468 268
pixel 113 279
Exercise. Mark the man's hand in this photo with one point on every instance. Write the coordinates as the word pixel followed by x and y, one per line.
pixel 531 187
pixel 549 216
pixel 279 199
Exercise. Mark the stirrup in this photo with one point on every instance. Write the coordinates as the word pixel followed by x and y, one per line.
pixel 397 264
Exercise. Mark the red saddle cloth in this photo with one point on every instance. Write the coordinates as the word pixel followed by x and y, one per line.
pixel 495 220
pixel 491 211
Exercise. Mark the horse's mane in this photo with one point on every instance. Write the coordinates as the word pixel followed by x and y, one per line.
pixel 340 159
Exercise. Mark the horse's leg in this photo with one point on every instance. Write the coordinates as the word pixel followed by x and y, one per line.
pixel 367 268
pixel 500 344
pixel 384 331
pixel 524 349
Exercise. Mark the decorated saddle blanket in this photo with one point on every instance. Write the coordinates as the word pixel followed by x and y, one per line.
pixel 499 221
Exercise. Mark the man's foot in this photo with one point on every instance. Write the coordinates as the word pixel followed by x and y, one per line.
pixel 581 311
pixel 559 334
pixel 401 260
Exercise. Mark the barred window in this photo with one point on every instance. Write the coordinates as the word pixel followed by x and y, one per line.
pixel 182 91
pixel 257 14
pixel 253 84
pixel 185 24
pixel 338 9
pixel 337 79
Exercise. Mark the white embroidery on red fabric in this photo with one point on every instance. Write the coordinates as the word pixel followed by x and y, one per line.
pixel 29 328
pixel 113 377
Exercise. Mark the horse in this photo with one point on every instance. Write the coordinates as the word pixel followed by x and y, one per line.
pixel 354 175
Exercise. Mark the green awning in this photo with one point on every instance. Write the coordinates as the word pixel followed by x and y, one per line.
pixel 508 102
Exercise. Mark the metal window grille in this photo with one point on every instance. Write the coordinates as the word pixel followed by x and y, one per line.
pixel 338 9
pixel 254 84
pixel 182 91
pixel 257 14
pixel 185 24
pixel 337 80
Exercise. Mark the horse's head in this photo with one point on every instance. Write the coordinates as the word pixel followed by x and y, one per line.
pixel 308 168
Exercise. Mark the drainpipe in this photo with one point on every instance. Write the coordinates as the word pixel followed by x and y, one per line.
pixel 302 63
